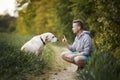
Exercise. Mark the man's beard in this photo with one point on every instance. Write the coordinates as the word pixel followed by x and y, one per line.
pixel 77 32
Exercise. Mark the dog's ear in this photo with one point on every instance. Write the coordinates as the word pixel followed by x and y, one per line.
pixel 46 38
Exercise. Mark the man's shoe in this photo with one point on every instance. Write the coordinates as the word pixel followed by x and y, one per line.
pixel 79 69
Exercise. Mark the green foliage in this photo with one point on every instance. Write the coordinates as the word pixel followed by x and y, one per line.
pixel 63 11
pixel 17 65
pixel 37 18
pixel 7 23
pixel 99 16
pixel 102 66
pixel 46 16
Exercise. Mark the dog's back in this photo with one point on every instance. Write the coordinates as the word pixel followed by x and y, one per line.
pixel 32 45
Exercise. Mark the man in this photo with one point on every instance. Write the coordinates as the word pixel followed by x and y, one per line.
pixel 80 50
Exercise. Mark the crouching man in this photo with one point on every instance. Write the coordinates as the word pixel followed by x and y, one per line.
pixel 80 50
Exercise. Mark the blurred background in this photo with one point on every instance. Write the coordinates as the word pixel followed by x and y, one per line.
pixel 20 20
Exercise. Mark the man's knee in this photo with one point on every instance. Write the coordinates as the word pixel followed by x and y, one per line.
pixel 64 55
pixel 79 60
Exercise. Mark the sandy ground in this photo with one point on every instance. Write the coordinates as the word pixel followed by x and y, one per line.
pixel 62 70
pixel 68 74
pixel 69 71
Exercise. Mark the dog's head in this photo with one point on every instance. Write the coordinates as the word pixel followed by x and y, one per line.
pixel 49 37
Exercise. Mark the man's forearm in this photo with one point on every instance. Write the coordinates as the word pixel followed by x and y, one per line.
pixel 68 46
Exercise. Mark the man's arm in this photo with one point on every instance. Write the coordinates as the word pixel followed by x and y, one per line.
pixel 65 42
pixel 87 45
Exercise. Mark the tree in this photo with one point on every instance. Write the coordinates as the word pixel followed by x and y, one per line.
pixel 7 23
pixel 64 18
pixel 37 18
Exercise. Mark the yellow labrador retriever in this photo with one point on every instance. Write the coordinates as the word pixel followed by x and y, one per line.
pixel 37 43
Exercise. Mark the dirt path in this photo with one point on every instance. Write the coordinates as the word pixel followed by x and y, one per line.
pixel 69 71
pixel 62 70
pixel 68 74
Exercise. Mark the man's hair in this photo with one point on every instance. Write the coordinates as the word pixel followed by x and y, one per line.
pixel 79 22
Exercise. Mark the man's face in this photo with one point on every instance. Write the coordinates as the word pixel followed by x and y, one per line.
pixel 75 28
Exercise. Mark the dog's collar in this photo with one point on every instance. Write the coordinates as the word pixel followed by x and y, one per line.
pixel 42 41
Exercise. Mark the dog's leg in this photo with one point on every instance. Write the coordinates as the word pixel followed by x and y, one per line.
pixel 38 53
pixel 22 48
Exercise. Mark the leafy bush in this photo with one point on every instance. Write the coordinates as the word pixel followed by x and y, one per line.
pixel 17 65
pixel 102 66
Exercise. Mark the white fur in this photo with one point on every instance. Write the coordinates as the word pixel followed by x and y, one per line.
pixel 35 45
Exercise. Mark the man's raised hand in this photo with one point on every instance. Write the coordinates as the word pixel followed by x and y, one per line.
pixel 64 40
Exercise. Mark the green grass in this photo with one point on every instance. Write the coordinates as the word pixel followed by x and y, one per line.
pixel 17 65
pixel 102 66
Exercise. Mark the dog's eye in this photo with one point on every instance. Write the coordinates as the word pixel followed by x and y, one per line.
pixel 53 36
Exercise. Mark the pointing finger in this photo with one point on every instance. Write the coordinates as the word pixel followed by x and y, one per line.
pixel 64 37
